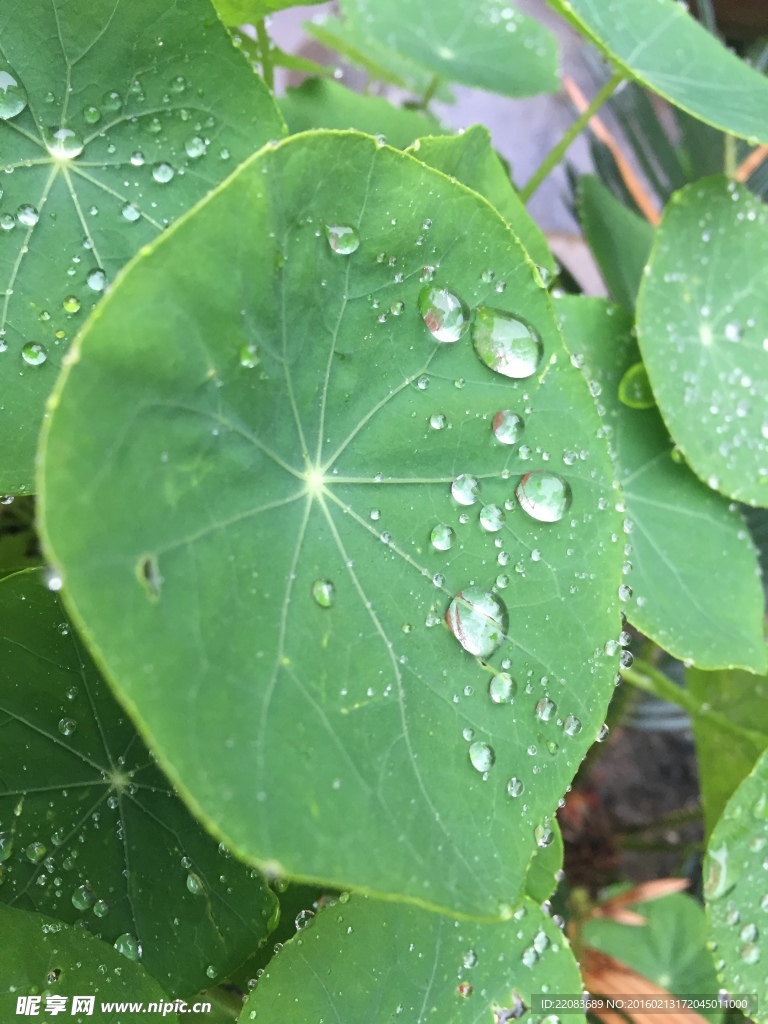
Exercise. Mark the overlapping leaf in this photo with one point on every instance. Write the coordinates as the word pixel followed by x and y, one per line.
pixel 90 830
pixel 158 108
pixel 295 433
pixel 380 962
pixel 682 533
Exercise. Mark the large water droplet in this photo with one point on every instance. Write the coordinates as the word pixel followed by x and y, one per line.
pixel 128 946
pixel 543 835
pixel 35 852
pixel 97 279
pixel 444 313
pixel 465 489
pixel 508 427
pixel 34 353
pixel 27 215
pixel 544 496
pixel 442 537
pixel 63 143
pixel 324 593
pixel 13 95
pixel 572 725
pixel 130 212
pixel 492 518
pixel 67 726
pixel 545 709
pixel 342 238
pixel 505 343
pixel 83 897
pixel 478 620
pixel 635 388
pixel 502 688
pixel 481 756
pixel 162 173
pixel 515 787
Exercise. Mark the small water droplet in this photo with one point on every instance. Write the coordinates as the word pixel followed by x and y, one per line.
pixel 479 621
pixel 195 884
pixel 195 147
pixel 572 725
pixel 506 343
pixel 128 946
pixel 342 238
pixel 543 835
pixel 545 709
pixel 515 787
pixel 444 313
pixel 324 593
pixel 482 756
pixel 635 388
pixel 508 427
pixel 465 489
pixel 63 143
pixel 34 353
pixel 304 919
pixel 71 304
pixel 35 852
pixel 27 215
pixel 13 95
pixel 502 688
pixel 442 537
pixel 97 279
pixel 544 496
pixel 67 726
pixel 162 173
pixel 437 421
pixel 130 212
pixel 6 846
pixel 83 898
pixel 624 592
pixel 492 518
pixel 101 908
pixel 750 953
pixel 249 356
pixel 422 383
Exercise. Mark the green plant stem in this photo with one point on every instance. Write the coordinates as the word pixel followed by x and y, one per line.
pixel 426 99
pixel 226 1002
pixel 646 677
pixel 556 154
pixel 729 155
pixel 707 15
pixel 267 69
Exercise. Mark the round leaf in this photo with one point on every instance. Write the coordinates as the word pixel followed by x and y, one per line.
pixel 90 830
pixel 373 962
pixel 736 888
pixel 297 436
pixel 160 108
pixel 703 331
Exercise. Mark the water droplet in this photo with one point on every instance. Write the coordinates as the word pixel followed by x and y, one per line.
pixel 515 787
pixel 71 304
pixel 249 356
pixel 304 919
pixel 444 313
pixel 324 593
pixel 508 427
pixel 67 726
pixel 7 222
pixel 624 592
pixel 83 897
pixel 35 852
pixel 27 215
pixel 422 383
pixel 97 280
pixel 34 353
pixel 13 95
pixel 572 725
pixel 464 989
pixel 195 147
pixel 545 709
pixel 210 970
pixel 6 846
pixel 437 421
pixel 750 953
pixel 502 688
pixel 748 933
pixel 543 835
pixel 478 620
pixel 131 212
pixel 442 537
pixel 543 276
pixel 63 143
pixel 544 496
pixel 465 489
pixel 101 908
pixel 92 114
pixel 505 343
pixel 635 388
pixel 162 173
pixel 492 518
pixel 342 238
pixel 482 756
pixel 128 946
pixel 469 959
pixel 195 884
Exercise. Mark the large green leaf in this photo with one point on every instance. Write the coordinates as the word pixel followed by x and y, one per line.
pixel 490 46
pixel 724 762
pixel 736 889
pixel 669 949
pixel 241 12
pixel 321 104
pixel 702 321
pixel 661 45
pixel 471 158
pixel 296 432
pixel 163 108
pixel 682 532
pixel 90 831
pixel 383 962
pixel 620 240
pixel 40 957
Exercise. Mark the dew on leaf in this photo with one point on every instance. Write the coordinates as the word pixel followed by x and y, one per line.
pixel 7 222
pixel 128 945
pixel 508 427
pixel 91 114
pixel 479 621
pixel 492 518
pixel 249 356
pixel 465 489
pixel 195 147
pixel 482 756
pixel 13 95
pixel 101 908
pixel 342 238
pixel 195 884
pixel 27 215
pixel 544 496
pixel 750 953
pixel 130 212
pixel 571 725
pixel 112 102
pixel 63 143
pixel 67 726
pixel 83 898
pixel 515 787
pixel 96 279
pixel 437 421
pixel 6 846
pixel 71 304
pixel 304 919
pixel 543 835
pixel 624 592
pixel 162 173
pixel 34 353
pixel 506 343
pixel 502 688
pixel 324 593
pixel 444 313
pixel 442 537
pixel 35 852
pixel 469 959
pixel 635 388
pixel 545 709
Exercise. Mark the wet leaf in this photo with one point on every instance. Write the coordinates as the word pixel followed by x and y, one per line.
pixel 379 961
pixel 156 108
pixel 321 481
pixel 43 957
pixel 736 888
pixel 492 46
pixel 471 159
pixel 242 12
pixel 541 880
pixel 703 330
pixel 682 533
pixel 93 833
pixel 661 45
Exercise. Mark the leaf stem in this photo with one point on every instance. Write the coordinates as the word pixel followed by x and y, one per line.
pixel 646 677
pixel 226 1002
pixel 729 153
pixel 431 89
pixel 267 69
pixel 556 154
pixel 707 15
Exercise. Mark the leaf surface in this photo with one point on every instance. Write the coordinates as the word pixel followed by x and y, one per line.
pixel 682 533
pixel 298 436
pixel 736 889
pixel 492 46
pixel 241 12
pixel 661 45
pixel 372 961
pixel 702 322
pixel 93 833
pixel 162 108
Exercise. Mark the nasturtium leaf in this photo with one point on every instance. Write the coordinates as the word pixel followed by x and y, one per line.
pixel 93 833
pixel 545 866
pixel 308 458
pixel 724 760
pixel 471 158
pixel 736 889
pixel 682 533
pixel 702 323
pixel 661 45
pixel 489 46
pixel 321 104
pixel 619 239
pixel 159 108
pixel 378 962
pixel 241 12
pixel 43 958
